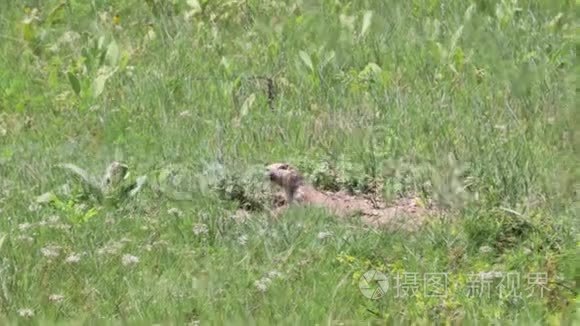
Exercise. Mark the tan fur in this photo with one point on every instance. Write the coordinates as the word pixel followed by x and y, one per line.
pixel 285 176
pixel 297 190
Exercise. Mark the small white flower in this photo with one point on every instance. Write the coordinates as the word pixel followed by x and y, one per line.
pixel 129 260
pixel 303 262
pixel 73 258
pixel 24 226
pixel 323 235
pixel 110 248
pixel 243 239
pixel 53 219
pixel 69 37
pixel 25 238
pixel 25 312
pixel 60 226
pixel 156 244
pixel 200 229
pixel 50 251
pixel 130 71
pixel 34 207
pixel 53 222
pixel 274 274
pixel 490 275
pixel 55 298
pixel 485 249
pixel 262 284
pixel 175 212
pixel 240 216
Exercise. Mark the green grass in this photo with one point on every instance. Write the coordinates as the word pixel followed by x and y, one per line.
pixel 468 103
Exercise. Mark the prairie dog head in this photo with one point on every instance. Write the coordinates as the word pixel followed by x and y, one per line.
pixel 286 177
pixel 114 174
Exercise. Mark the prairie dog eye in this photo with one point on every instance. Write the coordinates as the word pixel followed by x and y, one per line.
pixel 284 166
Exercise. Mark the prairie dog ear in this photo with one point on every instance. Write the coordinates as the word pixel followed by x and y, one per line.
pixel 284 166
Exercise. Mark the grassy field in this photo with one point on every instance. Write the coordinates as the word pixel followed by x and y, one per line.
pixel 468 103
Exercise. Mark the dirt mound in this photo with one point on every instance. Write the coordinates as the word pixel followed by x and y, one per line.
pixel 405 213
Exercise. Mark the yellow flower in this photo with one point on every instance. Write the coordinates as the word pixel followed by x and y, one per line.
pixel 356 275
pixel 397 267
pixel 344 258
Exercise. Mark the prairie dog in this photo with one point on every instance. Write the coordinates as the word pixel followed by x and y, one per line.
pixel 287 177
pixel 406 213
pixel 298 190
